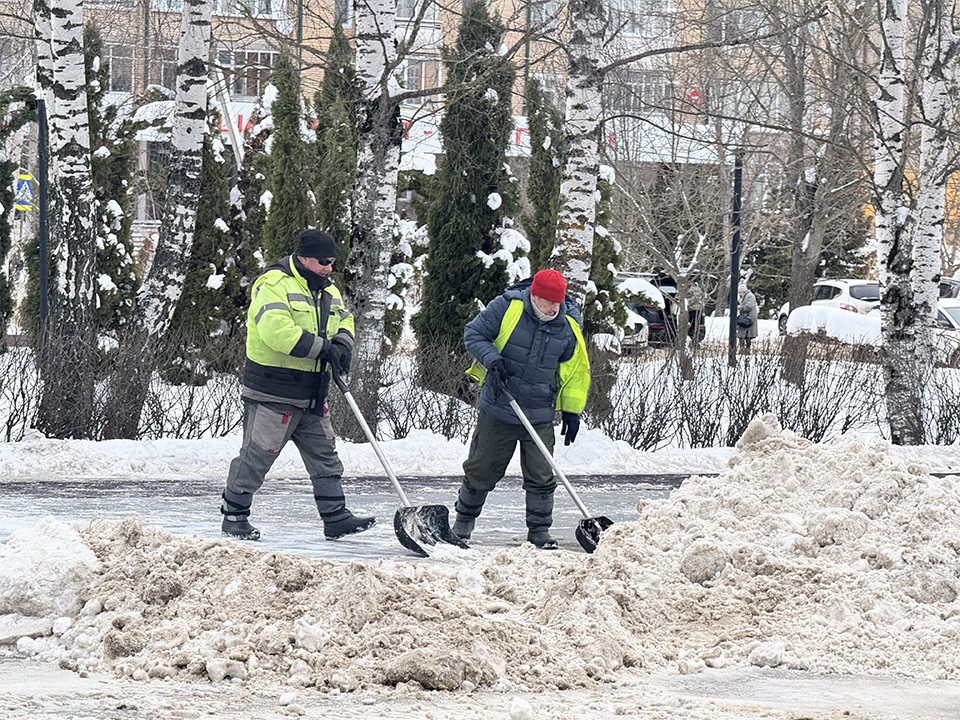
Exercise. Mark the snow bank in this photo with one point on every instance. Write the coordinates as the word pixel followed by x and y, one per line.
pixel 843 325
pixel 44 570
pixel 829 558
pixel 421 453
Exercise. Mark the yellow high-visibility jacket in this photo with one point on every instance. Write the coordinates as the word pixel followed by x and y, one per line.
pixel 289 329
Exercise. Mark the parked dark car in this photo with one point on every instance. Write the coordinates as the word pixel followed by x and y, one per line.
pixel 949 287
pixel 663 325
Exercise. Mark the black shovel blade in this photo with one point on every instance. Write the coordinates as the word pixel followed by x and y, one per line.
pixel 417 527
pixel 588 532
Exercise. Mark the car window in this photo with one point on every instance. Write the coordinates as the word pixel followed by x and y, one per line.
pixel 865 292
pixel 949 288
pixel 650 314
pixel 954 312
pixel 824 292
pixel 942 320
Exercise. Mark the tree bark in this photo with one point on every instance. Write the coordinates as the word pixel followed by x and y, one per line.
pixel 899 315
pixel 577 208
pixel 68 349
pixel 379 135
pixel 157 299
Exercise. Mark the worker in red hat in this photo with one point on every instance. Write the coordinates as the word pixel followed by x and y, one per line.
pixel 528 345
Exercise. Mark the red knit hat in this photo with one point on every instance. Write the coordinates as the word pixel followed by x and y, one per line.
pixel 550 285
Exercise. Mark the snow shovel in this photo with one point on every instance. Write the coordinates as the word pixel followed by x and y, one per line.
pixel 589 529
pixel 415 527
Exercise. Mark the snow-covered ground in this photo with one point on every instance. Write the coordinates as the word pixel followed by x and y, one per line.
pixel 815 581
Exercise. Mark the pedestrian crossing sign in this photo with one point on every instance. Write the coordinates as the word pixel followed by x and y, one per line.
pixel 23 199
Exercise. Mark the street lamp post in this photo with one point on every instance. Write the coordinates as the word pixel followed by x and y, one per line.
pixel 735 255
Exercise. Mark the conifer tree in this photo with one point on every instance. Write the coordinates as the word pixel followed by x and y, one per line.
pixel 207 314
pixel 473 190
pixel 111 165
pixel 546 163
pixel 604 311
pixel 336 171
pixel 289 168
pixel 248 209
pixel 16 109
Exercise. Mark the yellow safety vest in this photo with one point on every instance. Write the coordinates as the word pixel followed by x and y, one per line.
pixel 574 373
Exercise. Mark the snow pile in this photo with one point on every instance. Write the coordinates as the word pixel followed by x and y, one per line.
pixel 49 581
pixel 843 325
pixel 421 453
pixel 830 557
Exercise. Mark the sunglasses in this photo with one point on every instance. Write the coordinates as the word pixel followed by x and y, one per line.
pixel 326 261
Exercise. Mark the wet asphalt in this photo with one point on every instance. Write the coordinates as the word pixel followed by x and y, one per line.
pixel 287 517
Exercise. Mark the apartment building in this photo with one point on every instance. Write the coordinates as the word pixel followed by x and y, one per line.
pixel 645 101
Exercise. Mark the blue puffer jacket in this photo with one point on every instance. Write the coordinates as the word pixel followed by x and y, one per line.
pixel 532 355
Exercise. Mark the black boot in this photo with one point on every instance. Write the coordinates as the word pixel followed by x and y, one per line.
pixel 468 506
pixel 236 513
pixel 337 520
pixel 539 520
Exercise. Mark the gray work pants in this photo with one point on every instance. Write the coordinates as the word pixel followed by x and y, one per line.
pixel 266 429
pixel 492 448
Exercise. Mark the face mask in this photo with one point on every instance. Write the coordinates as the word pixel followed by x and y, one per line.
pixel 542 316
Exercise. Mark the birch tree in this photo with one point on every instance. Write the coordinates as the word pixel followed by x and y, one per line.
pixel 158 297
pixel 379 134
pixel 936 118
pixel 68 350
pixel 894 253
pixel 576 212
pixel 909 235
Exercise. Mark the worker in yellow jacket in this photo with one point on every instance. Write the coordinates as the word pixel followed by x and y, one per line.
pixel 297 328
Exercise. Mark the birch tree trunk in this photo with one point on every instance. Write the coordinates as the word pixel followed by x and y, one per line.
pixel 157 299
pixel 577 207
pixel 899 316
pixel 379 135
pixel 939 57
pixel 68 348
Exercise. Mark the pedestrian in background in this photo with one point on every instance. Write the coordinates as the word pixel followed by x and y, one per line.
pixel 527 343
pixel 297 329
pixel 747 312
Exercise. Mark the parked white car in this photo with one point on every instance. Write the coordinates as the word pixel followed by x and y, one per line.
pixel 864 329
pixel 948 330
pixel 858 296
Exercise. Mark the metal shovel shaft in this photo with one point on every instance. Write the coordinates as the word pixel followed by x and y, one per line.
pixel 348 396
pixel 548 457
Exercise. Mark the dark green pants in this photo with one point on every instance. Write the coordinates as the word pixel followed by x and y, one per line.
pixel 492 448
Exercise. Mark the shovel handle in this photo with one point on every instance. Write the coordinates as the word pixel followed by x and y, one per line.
pixel 348 396
pixel 546 454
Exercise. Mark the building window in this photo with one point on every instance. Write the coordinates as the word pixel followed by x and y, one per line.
pixel 17 63
pixel 736 23
pixel 164 67
pixel 168 5
pixel 543 13
pixel 408 9
pixel 552 88
pixel 342 12
pixel 247 72
pixel 637 91
pixel 646 18
pixel 119 59
pixel 114 4
pixel 243 8
pixel 421 74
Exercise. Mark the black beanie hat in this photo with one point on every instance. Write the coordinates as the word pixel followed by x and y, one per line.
pixel 316 244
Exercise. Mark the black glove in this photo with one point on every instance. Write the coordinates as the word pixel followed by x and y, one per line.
pixel 569 426
pixel 497 372
pixel 340 355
